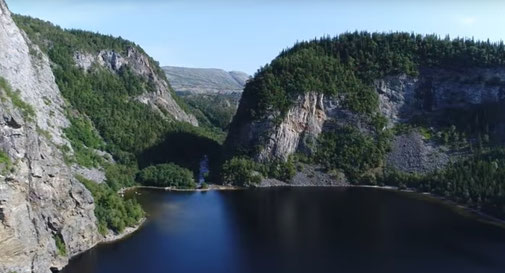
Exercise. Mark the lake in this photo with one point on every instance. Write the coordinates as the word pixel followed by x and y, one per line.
pixel 299 230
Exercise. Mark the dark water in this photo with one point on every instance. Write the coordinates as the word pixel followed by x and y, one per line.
pixel 300 230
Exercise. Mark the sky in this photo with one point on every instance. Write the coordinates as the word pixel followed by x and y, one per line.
pixel 244 35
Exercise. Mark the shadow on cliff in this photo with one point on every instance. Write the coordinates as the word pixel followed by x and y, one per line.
pixel 184 149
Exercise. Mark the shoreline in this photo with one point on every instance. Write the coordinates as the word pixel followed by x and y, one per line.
pixel 108 239
pixel 111 237
pixel 461 209
pixel 212 187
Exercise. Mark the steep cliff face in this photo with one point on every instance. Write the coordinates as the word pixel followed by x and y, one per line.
pixel 40 201
pixel 402 99
pixel 160 98
pixel 436 89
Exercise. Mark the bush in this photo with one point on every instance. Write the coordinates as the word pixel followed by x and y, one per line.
pixel 25 108
pixel 166 175
pixel 112 212
pixel 350 151
pixel 60 244
pixel 241 171
pixel 281 170
pixel 5 162
pixel 120 176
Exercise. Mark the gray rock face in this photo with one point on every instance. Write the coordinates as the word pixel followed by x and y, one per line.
pixel 410 153
pixel 39 198
pixel 303 122
pixel 311 114
pixel 161 99
pixel 401 98
pixel 436 89
pixel 308 176
pixel 205 80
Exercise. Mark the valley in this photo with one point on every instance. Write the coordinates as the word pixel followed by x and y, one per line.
pixel 261 169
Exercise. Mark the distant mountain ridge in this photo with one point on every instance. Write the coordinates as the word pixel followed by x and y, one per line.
pixel 205 80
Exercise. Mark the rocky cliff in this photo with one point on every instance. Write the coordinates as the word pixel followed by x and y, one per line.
pixel 160 98
pixel 427 103
pixel 40 201
pixel 401 97
pixel 65 96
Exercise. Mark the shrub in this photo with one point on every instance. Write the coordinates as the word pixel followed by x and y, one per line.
pixel 351 151
pixel 241 171
pixel 26 109
pixel 5 162
pixel 112 212
pixel 60 244
pixel 166 175
pixel 281 170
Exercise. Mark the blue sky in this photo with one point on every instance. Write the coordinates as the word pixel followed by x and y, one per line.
pixel 246 34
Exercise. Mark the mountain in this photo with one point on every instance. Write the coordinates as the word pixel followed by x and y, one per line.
pixel 382 109
pixel 212 94
pixel 205 80
pixel 82 114
pixel 40 200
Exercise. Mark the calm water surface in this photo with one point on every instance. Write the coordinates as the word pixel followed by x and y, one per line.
pixel 299 230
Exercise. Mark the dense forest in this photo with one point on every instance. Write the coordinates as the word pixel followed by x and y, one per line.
pixel 478 182
pixel 105 116
pixel 167 175
pixel 213 110
pixel 244 171
pixel 345 67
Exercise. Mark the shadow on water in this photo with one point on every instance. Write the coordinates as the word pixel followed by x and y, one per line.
pixel 300 230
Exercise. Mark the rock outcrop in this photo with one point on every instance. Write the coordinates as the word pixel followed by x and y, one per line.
pixel 435 89
pixel 401 99
pixel 160 98
pixel 40 200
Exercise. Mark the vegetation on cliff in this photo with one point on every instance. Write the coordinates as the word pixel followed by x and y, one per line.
pixel 352 152
pixel 477 182
pixel 106 116
pixel 213 110
pixel 103 101
pixel 112 212
pixel 243 171
pixel 25 108
pixel 347 65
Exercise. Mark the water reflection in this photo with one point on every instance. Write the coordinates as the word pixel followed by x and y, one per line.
pixel 299 230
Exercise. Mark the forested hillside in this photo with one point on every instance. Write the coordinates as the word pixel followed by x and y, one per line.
pixel 398 108
pixel 105 81
pixel 212 94
pixel 348 64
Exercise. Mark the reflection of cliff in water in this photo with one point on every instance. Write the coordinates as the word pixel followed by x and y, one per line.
pixel 299 230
